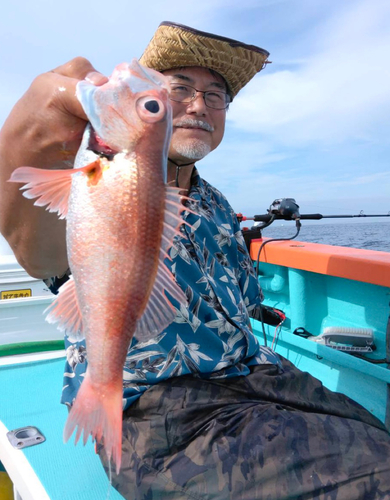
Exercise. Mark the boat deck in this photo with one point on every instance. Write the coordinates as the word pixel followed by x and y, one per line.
pixel 51 470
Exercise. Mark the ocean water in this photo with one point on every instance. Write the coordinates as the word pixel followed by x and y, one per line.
pixel 367 235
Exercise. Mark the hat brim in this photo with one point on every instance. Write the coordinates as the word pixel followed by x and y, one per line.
pixel 175 45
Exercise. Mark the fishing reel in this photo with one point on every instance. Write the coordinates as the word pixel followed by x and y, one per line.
pixel 281 208
pixel 286 208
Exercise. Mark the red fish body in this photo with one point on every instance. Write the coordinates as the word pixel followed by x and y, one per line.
pixel 121 220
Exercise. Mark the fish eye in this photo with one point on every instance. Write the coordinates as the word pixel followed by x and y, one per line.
pixel 152 106
pixel 150 109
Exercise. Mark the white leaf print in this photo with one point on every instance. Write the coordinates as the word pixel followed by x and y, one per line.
pixel 232 276
pixel 148 343
pixel 221 365
pixel 193 350
pixel 192 346
pixel 239 238
pixel 236 338
pixel 195 225
pixel 232 297
pixel 180 345
pixel 137 356
pixel 246 284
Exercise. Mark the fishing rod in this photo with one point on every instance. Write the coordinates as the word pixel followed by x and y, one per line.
pixel 268 217
pixel 287 209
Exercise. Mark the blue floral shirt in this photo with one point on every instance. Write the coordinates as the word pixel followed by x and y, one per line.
pixel 211 336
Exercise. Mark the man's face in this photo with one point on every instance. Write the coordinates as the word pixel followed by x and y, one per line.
pixel 197 129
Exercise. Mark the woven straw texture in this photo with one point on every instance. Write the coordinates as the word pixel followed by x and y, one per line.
pixel 174 47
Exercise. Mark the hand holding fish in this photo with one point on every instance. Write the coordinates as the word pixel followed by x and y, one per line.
pixel 43 130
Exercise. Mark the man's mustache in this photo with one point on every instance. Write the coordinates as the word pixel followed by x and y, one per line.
pixel 191 123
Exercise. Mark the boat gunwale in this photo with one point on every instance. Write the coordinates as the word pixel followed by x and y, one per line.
pixel 368 266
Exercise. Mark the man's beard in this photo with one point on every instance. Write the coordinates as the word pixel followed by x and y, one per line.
pixel 192 150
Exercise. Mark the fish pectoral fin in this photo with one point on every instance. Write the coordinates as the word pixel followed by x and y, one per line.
pixel 159 311
pixel 52 187
pixel 65 311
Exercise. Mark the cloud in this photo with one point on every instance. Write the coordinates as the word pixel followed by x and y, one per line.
pixel 383 178
pixel 340 92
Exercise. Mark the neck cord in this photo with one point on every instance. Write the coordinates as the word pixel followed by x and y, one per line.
pixel 178 167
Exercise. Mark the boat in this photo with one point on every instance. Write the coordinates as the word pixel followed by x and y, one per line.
pixel 329 310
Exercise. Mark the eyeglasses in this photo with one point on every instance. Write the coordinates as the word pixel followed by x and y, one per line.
pixel 186 94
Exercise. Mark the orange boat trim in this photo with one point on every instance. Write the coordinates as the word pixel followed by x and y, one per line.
pixel 356 264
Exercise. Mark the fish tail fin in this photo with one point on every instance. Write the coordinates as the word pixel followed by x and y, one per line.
pixel 97 411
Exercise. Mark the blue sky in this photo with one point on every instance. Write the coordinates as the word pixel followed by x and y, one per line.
pixel 314 125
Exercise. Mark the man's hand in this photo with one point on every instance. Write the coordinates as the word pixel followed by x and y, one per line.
pixel 43 130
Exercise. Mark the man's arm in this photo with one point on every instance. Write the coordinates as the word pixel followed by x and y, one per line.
pixel 44 130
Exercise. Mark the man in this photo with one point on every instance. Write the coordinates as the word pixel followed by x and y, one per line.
pixel 208 412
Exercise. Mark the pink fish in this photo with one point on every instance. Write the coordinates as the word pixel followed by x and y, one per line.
pixel 121 220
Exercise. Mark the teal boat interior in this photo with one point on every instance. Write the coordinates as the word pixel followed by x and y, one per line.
pixel 314 302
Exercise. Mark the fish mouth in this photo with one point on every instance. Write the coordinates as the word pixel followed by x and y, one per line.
pixel 99 147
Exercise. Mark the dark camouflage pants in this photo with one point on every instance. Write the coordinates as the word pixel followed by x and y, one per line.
pixel 270 435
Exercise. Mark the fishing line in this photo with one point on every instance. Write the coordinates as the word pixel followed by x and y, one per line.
pixel 278 329
pixel 298 226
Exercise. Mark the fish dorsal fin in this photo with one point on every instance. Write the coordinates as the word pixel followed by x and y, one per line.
pixel 51 187
pixel 159 311
pixel 65 311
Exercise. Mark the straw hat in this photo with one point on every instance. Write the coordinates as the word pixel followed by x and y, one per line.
pixel 175 45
